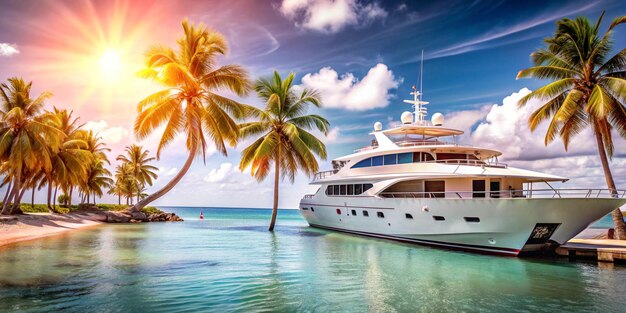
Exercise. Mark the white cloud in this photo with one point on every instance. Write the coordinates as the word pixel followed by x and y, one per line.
pixel 219 175
pixel 332 135
pixel 110 135
pixel 330 16
pixel 348 92
pixel 8 50
pixel 504 127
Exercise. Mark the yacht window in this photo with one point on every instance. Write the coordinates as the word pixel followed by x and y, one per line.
pixel 427 157
pixel 305 209
pixel 380 214
pixel 409 216
pixel 435 188
pixel 342 190
pixel 404 158
pixel 417 157
pixel 478 188
pixel 358 189
pixel 338 212
pixel 329 190
pixel 451 156
pixel 336 190
pixel 472 219
pixel 350 190
pixel 363 163
pixel 377 160
pixel 439 218
pixel 365 213
pixel 472 157
pixel 391 159
pixel 353 212
pixel 367 187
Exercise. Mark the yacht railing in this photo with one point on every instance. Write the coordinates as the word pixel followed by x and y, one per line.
pixel 468 162
pixel 324 174
pixel 526 193
pixel 418 143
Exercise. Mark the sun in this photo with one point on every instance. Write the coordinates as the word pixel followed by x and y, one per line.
pixel 110 64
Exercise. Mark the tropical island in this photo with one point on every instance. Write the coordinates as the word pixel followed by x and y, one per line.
pixel 198 107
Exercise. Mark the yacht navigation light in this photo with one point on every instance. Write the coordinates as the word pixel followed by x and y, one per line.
pixel 437 119
pixel 378 126
pixel 406 117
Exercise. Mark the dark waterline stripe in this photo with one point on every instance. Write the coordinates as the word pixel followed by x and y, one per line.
pixel 484 249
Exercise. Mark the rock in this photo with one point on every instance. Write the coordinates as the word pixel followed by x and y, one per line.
pixel 117 217
pixel 164 217
pixel 136 215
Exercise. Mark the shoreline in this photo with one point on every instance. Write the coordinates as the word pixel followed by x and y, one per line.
pixel 31 226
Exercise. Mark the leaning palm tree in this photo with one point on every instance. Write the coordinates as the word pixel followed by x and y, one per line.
pixel 27 137
pixel 284 140
pixel 138 160
pixel 588 90
pixel 190 104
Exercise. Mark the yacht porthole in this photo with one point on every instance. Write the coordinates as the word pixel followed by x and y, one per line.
pixel 425 209
pixel 492 241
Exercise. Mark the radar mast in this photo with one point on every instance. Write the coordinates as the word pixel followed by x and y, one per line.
pixel 418 105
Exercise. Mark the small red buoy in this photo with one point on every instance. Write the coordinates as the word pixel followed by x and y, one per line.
pixel 201 217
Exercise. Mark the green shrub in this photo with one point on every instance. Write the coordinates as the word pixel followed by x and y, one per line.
pixel 43 208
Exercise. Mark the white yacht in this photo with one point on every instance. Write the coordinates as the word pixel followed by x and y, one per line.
pixel 416 184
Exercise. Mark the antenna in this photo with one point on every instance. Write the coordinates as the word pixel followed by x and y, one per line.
pixel 422 73
pixel 418 104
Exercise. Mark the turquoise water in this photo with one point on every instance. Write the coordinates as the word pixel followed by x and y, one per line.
pixel 229 262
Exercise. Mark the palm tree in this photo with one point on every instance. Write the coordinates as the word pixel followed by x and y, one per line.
pixel 98 179
pixel 138 160
pixel 71 161
pixel 190 105
pixel 285 140
pixel 588 90
pixel 27 136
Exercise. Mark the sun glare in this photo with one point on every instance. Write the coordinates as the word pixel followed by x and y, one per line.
pixel 110 63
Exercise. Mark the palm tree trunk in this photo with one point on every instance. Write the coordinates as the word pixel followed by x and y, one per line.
pixel 70 199
pixel 49 201
pixel 276 181
pixel 275 206
pixel 618 217
pixel 119 199
pixel 94 198
pixel 6 196
pixel 32 198
pixel 55 198
pixel 10 209
pixel 168 186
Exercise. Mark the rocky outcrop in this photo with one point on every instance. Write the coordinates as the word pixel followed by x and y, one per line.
pixel 164 217
pixel 128 216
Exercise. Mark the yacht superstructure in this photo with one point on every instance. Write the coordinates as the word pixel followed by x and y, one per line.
pixel 416 183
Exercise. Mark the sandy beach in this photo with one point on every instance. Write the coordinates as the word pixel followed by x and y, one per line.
pixel 38 225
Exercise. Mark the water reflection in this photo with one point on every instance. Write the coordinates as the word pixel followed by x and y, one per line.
pixel 226 264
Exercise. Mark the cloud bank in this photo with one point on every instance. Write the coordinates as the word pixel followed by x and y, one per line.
pixel 350 93
pixel 8 50
pixel 330 16
pixel 110 135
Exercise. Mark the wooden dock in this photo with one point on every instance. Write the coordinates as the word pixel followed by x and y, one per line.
pixel 603 250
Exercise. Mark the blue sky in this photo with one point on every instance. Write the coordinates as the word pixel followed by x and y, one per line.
pixel 362 55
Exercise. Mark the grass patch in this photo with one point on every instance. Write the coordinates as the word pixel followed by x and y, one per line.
pixel 43 208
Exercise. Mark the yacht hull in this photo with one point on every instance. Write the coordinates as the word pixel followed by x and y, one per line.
pixel 490 225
